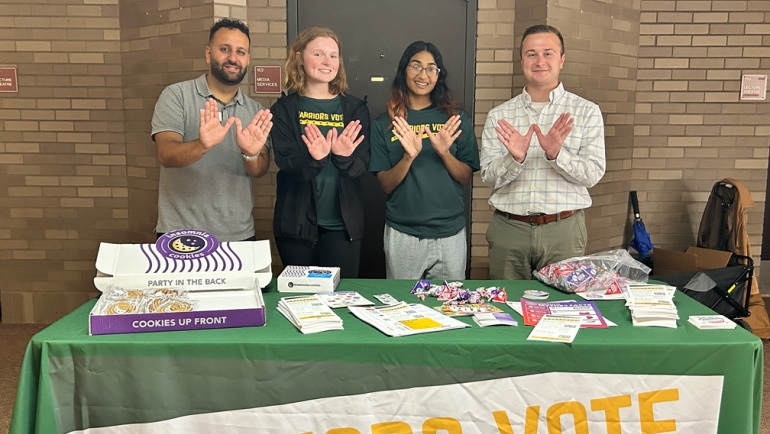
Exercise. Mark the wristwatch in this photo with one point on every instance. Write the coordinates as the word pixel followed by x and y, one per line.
pixel 247 158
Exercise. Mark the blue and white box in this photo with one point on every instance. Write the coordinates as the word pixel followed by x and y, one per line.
pixel 310 280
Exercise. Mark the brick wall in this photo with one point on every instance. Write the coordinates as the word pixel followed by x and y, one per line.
pixel 161 44
pixel 78 167
pixel 691 128
pixel 63 153
pixel 495 54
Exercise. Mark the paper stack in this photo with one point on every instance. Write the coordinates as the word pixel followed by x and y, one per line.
pixel 406 319
pixel 652 305
pixel 707 322
pixel 309 314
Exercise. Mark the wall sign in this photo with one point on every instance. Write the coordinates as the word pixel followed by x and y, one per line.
pixel 267 79
pixel 8 80
pixel 753 87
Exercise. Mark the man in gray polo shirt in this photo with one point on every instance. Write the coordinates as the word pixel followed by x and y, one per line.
pixel 211 139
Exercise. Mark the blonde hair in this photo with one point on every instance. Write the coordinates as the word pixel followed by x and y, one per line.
pixel 294 78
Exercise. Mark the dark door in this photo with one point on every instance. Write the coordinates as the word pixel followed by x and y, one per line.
pixel 373 35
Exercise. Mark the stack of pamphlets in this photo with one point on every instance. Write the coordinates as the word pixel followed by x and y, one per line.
pixel 652 305
pixel 309 314
pixel 707 322
pixel 406 319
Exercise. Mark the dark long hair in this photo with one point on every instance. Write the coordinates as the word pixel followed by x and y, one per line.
pixel 441 95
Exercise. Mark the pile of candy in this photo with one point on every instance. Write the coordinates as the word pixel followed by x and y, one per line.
pixel 454 294
pixel 604 272
pixel 119 301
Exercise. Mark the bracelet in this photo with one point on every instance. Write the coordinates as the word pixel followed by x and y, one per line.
pixel 247 158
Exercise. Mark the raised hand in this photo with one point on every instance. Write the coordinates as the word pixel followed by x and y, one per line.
pixel 552 142
pixel 252 139
pixel 211 131
pixel 410 140
pixel 516 144
pixel 346 142
pixel 318 145
pixel 443 140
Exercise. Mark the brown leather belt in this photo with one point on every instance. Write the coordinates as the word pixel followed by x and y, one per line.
pixel 539 219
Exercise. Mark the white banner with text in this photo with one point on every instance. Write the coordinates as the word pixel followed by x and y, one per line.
pixel 568 403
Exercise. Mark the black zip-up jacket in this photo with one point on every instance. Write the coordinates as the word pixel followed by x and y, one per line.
pixel 295 206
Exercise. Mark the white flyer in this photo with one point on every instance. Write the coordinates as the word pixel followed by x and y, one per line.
pixel 650 295
pixel 406 319
pixel 343 299
pixel 555 329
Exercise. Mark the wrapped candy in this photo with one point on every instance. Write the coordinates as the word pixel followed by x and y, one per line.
pixel 604 272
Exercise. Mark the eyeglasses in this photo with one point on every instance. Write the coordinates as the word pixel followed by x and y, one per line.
pixel 416 69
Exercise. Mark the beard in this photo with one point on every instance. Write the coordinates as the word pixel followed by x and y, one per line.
pixel 218 71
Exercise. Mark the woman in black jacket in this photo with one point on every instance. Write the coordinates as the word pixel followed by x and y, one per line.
pixel 321 141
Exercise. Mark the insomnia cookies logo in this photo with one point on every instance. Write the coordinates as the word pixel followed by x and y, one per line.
pixel 186 244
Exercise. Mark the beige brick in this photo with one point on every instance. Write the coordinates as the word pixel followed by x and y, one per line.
pixel 674 40
pixel 86 58
pixel 744 40
pixel 664 174
pixel 684 141
pixel 671 63
pixel 709 40
pixel 707 63
pixel 494 68
pixel 756 52
pixel 735 130
pixel 751 164
pixel 686 119
pixel 656 29
pixel 727 74
pixel 659 5
pixel 33 45
pixel 696 5
pixel 731 5
pixel 674 17
pixel 692 29
pixel 725 52
pixel 670 85
pixel 710 17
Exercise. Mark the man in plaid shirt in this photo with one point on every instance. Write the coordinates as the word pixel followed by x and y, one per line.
pixel 540 152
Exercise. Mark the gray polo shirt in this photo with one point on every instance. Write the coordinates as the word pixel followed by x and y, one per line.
pixel 214 193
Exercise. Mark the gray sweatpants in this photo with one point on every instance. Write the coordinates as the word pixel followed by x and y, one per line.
pixel 409 257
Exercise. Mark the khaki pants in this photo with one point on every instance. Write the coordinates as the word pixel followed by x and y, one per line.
pixel 516 249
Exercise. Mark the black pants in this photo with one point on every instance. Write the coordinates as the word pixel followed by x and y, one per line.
pixel 333 249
